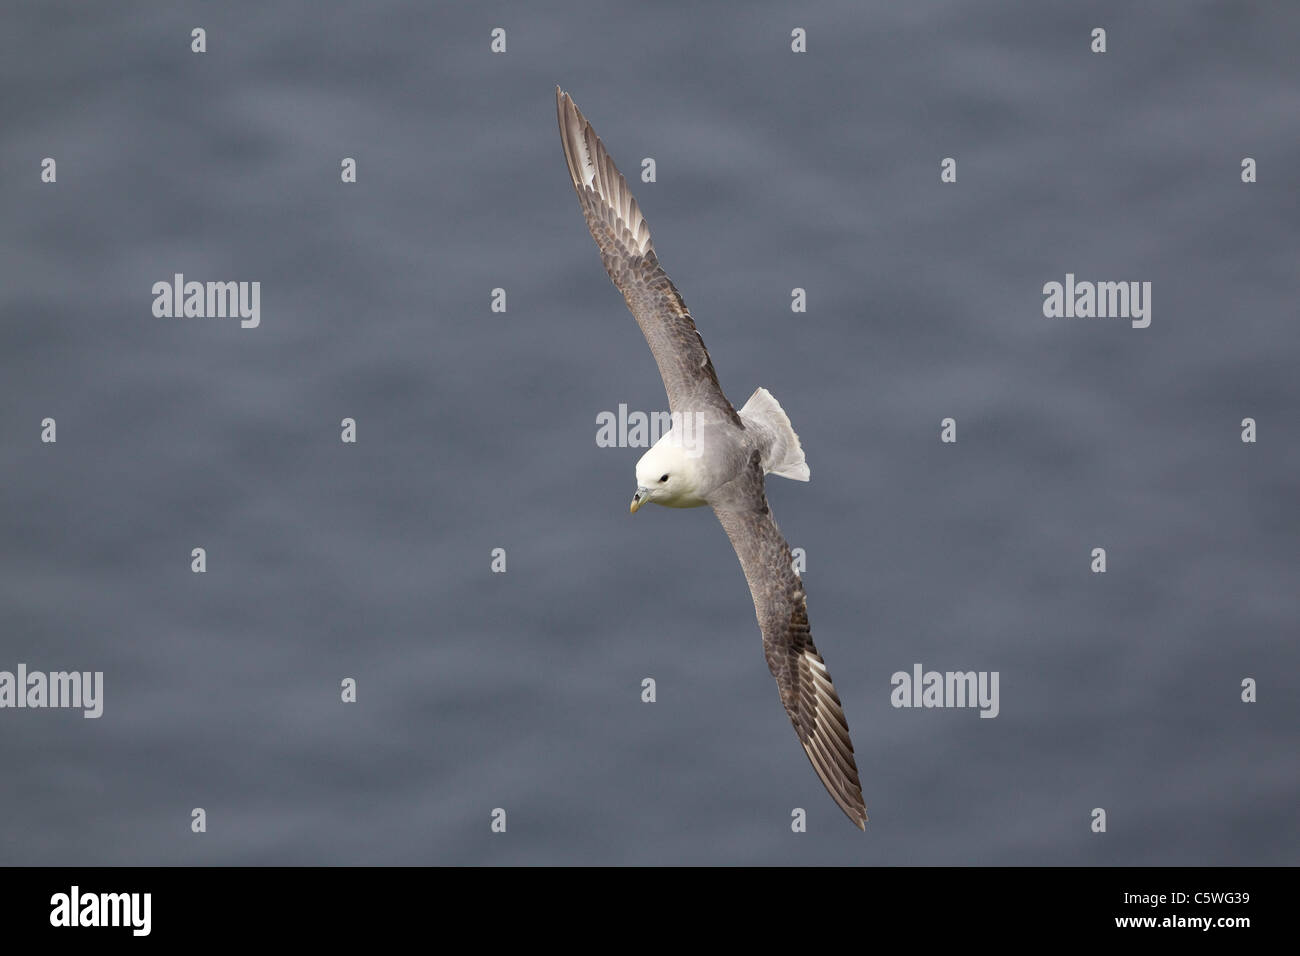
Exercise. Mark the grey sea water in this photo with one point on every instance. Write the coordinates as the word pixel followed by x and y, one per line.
pixel 477 431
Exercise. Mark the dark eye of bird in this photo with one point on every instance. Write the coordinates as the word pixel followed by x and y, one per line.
pixel 664 478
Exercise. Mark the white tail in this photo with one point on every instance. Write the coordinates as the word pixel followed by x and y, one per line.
pixel 784 455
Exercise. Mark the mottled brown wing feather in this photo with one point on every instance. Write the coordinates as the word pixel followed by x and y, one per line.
pixel 782 610
pixel 623 238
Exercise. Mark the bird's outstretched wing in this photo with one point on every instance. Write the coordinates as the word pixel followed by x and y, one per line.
pixel 623 237
pixel 782 609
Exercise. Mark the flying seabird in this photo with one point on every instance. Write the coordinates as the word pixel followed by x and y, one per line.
pixel 716 456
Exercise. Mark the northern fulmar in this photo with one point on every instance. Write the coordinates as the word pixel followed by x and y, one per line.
pixel 713 455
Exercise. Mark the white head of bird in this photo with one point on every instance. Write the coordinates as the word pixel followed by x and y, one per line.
pixel 668 475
